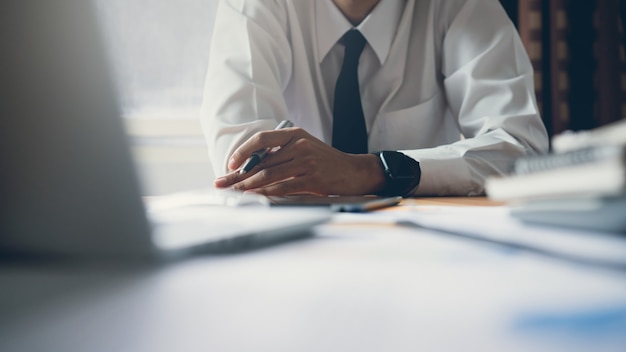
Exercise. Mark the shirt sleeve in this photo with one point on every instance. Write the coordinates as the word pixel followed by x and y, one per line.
pixel 488 82
pixel 249 66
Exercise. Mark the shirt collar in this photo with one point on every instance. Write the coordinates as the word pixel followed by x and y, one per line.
pixel 379 27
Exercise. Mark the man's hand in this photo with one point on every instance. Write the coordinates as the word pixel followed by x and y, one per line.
pixel 302 164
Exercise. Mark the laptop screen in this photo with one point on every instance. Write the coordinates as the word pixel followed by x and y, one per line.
pixel 67 181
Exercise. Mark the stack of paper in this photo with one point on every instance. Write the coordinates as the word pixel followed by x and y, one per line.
pixel 582 183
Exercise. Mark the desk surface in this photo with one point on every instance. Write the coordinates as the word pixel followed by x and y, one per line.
pixel 353 286
pixel 453 201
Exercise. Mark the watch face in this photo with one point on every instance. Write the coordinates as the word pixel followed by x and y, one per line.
pixel 401 172
pixel 397 165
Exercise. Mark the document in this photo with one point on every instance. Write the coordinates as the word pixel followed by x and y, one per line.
pixel 496 225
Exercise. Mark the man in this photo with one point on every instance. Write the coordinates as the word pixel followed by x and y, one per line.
pixel 444 90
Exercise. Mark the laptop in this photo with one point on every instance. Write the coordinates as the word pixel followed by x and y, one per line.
pixel 68 184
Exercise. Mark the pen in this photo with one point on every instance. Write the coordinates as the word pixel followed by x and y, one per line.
pixel 259 155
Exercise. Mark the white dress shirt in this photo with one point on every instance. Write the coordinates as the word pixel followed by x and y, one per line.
pixel 447 82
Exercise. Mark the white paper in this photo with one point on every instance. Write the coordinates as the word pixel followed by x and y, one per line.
pixel 497 225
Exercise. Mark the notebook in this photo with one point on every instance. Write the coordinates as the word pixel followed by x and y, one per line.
pixel 68 183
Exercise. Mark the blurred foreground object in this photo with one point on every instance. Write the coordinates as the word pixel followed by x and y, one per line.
pixel 582 183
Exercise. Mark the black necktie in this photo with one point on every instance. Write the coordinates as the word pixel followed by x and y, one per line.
pixel 349 132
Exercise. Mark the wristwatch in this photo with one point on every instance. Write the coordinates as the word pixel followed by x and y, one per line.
pixel 402 173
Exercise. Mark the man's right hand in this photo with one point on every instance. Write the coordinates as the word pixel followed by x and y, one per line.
pixel 302 164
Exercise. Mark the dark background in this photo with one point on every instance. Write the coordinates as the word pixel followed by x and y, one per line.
pixel 577 51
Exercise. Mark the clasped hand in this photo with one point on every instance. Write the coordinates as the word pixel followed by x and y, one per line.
pixel 302 164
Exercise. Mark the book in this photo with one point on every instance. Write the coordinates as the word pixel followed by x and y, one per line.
pixel 581 184
pixel 591 154
pixel 588 163
pixel 600 178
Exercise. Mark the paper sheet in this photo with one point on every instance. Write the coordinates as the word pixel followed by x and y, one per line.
pixel 495 224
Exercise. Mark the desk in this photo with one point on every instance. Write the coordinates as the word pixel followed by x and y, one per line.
pixel 353 286
pixel 453 201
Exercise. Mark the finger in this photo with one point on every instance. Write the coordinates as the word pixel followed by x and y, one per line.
pixel 269 175
pixel 263 140
pixel 229 179
pixel 235 177
pixel 299 150
pixel 296 185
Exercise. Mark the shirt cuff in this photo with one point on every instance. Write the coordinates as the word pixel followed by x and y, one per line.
pixel 444 172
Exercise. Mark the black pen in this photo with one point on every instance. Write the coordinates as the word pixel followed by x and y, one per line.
pixel 259 155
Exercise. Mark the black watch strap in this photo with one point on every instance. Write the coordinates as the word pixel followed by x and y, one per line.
pixel 402 173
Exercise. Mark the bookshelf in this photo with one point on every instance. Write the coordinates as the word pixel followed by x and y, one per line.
pixel 577 51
